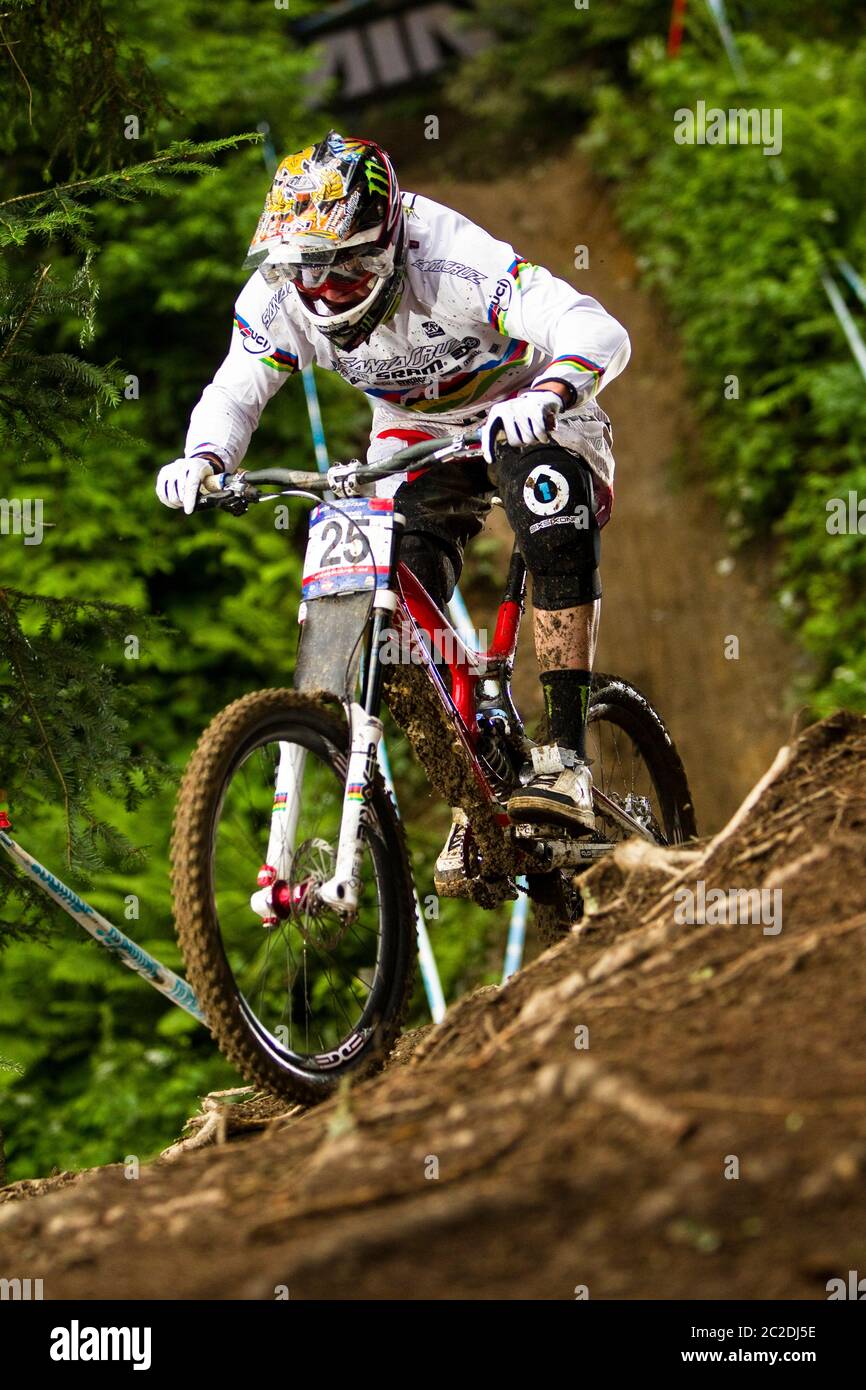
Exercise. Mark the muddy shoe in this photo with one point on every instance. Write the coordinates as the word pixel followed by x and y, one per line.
pixel 560 793
pixel 458 863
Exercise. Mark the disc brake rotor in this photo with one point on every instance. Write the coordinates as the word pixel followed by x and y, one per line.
pixel 312 865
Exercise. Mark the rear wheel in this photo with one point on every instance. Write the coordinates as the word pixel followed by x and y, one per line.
pixel 636 765
pixel 298 1002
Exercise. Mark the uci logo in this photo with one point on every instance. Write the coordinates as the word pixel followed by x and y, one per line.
pixel 502 296
pixel 255 342
pixel 545 491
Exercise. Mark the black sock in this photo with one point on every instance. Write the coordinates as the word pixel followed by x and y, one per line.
pixel 566 699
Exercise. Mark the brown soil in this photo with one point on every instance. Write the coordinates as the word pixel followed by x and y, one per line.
pixel 667 606
pixel 557 1166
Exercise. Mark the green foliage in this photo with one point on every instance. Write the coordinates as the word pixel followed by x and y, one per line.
pixel 93 1067
pixel 92 721
pixel 737 254
pixel 40 391
pixel 71 78
pixel 66 723
pixel 93 1064
pixel 64 719
pixel 540 79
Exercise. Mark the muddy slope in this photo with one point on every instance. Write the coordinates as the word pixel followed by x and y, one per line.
pixel 496 1158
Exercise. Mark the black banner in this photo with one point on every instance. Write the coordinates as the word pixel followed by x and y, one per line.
pixel 219 1339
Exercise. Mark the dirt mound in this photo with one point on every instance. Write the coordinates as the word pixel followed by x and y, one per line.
pixel 651 1109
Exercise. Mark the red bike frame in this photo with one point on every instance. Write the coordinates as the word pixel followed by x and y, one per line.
pixel 466 665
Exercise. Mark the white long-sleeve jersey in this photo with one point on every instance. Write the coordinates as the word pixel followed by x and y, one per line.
pixel 475 324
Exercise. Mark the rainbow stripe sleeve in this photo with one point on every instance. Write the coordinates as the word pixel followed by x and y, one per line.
pixel 279 359
pixel 584 365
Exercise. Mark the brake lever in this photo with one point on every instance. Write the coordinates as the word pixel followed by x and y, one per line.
pixel 228 491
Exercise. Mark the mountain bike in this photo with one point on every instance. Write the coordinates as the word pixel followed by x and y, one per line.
pixel 291 878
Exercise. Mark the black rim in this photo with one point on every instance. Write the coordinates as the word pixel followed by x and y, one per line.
pixel 626 768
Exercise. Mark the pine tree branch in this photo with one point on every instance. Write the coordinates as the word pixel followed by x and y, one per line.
pixel 34 712
pixel 8 47
pixel 133 172
pixel 28 310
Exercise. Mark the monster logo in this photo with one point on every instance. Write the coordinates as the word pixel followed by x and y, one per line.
pixel 377 178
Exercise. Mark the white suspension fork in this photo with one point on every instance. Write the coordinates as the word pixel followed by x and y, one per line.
pixel 342 890
pixel 288 785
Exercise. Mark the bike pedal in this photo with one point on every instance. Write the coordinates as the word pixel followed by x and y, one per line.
pixel 554 852
pixel 486 892
pixel 527 830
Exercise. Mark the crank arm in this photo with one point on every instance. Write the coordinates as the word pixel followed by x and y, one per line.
pixel 560 854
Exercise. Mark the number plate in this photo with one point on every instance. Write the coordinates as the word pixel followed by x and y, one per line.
pixel 337 559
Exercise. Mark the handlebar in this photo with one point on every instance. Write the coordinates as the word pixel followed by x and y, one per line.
pixel 236 490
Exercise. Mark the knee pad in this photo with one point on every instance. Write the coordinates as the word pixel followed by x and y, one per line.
pixel 432 542
pixel 549 500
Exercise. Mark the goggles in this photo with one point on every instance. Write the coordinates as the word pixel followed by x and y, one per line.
pixel 353 264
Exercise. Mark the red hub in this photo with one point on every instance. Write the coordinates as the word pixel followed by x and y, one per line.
pixel 289 898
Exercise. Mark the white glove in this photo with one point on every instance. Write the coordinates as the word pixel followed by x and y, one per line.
pixel 527 419
pixel 177 484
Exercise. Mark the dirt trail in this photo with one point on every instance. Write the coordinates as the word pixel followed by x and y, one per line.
pixel 710 1141
pixel 667 606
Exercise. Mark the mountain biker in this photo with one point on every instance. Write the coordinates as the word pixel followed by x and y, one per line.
pixel 442 327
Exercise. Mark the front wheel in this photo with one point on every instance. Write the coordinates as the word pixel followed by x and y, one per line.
pixel 298 1001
